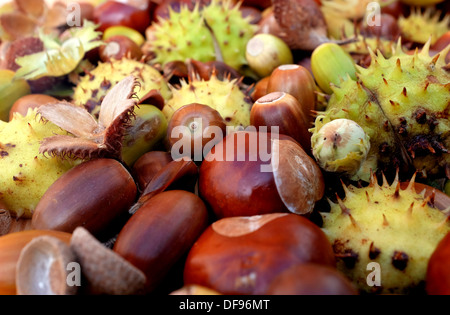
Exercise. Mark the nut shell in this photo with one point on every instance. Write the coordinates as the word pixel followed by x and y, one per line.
pixel 92 195
pixel 10 247
pixel 243 255
pixel 161 232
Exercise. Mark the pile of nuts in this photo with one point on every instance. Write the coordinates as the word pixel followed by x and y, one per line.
pixel 209 208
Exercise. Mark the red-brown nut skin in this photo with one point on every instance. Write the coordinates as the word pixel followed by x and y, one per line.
pixel 438 272
pixel 92 194
pixel 112 13
pixel 22 105
pixel 260 89
pixel 298 82
pixel 148 165
pixel 441 43
pixel 224 263
pixel 161 232
pixel 10 247
pixel 127 48
pixel 279 109
pixel 311 279
pixel 239 188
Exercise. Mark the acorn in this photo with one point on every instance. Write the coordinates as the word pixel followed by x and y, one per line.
pixel 330 63
pixel 265 52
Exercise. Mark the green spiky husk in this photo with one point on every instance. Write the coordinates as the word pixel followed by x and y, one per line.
pixel 397 229
pixel 93 87
pixel 224 96
pixel 419 27
pixel 185 36
pixel 402 103
pixel 26 174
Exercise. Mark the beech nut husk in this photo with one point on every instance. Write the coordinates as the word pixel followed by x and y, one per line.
pixel 253 173
pixel 279 109
pixel 11 246
pixel 161 232
pixel 148 165
pixel 243 255
pixel 92 194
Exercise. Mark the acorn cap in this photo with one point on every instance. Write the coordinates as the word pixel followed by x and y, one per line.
pixel 105 271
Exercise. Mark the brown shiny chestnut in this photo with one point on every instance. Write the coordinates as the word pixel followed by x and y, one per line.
pixel 118 47
pixel 193 130
pixel 438 273
pixel 297 81
pixel 26 102
pixel 161 232
pixel 93 195
pixel 244 255
pixel 251 173
pixel 148 165
pixel 282 110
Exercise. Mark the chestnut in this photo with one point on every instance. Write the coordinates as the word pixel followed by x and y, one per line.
pixel 193 130
pixel 311 279
pixel 118 47
pixel 22 105
pixel 161 232
pixel 260 89
pixel 438 273
pixel 441 43
pixel 251 173
pixel 111 13
pixel 297 81
pixel 282 110
pixel 93 195
pixel 244 255
pixel 148 165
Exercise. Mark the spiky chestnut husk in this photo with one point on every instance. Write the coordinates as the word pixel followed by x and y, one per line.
pixel 364 44
pixel 191 34
pixel 398 229
pixel 26 174
pixel 350 9
pixel 96 84
pixel 419 27
pixel 223 95
pixel 402 105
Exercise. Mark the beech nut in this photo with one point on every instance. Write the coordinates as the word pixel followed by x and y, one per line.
pixel 148 165
pixel 251 173
pixel 92 194
pixel 161 232
pixel 244 255
pixel 11 246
